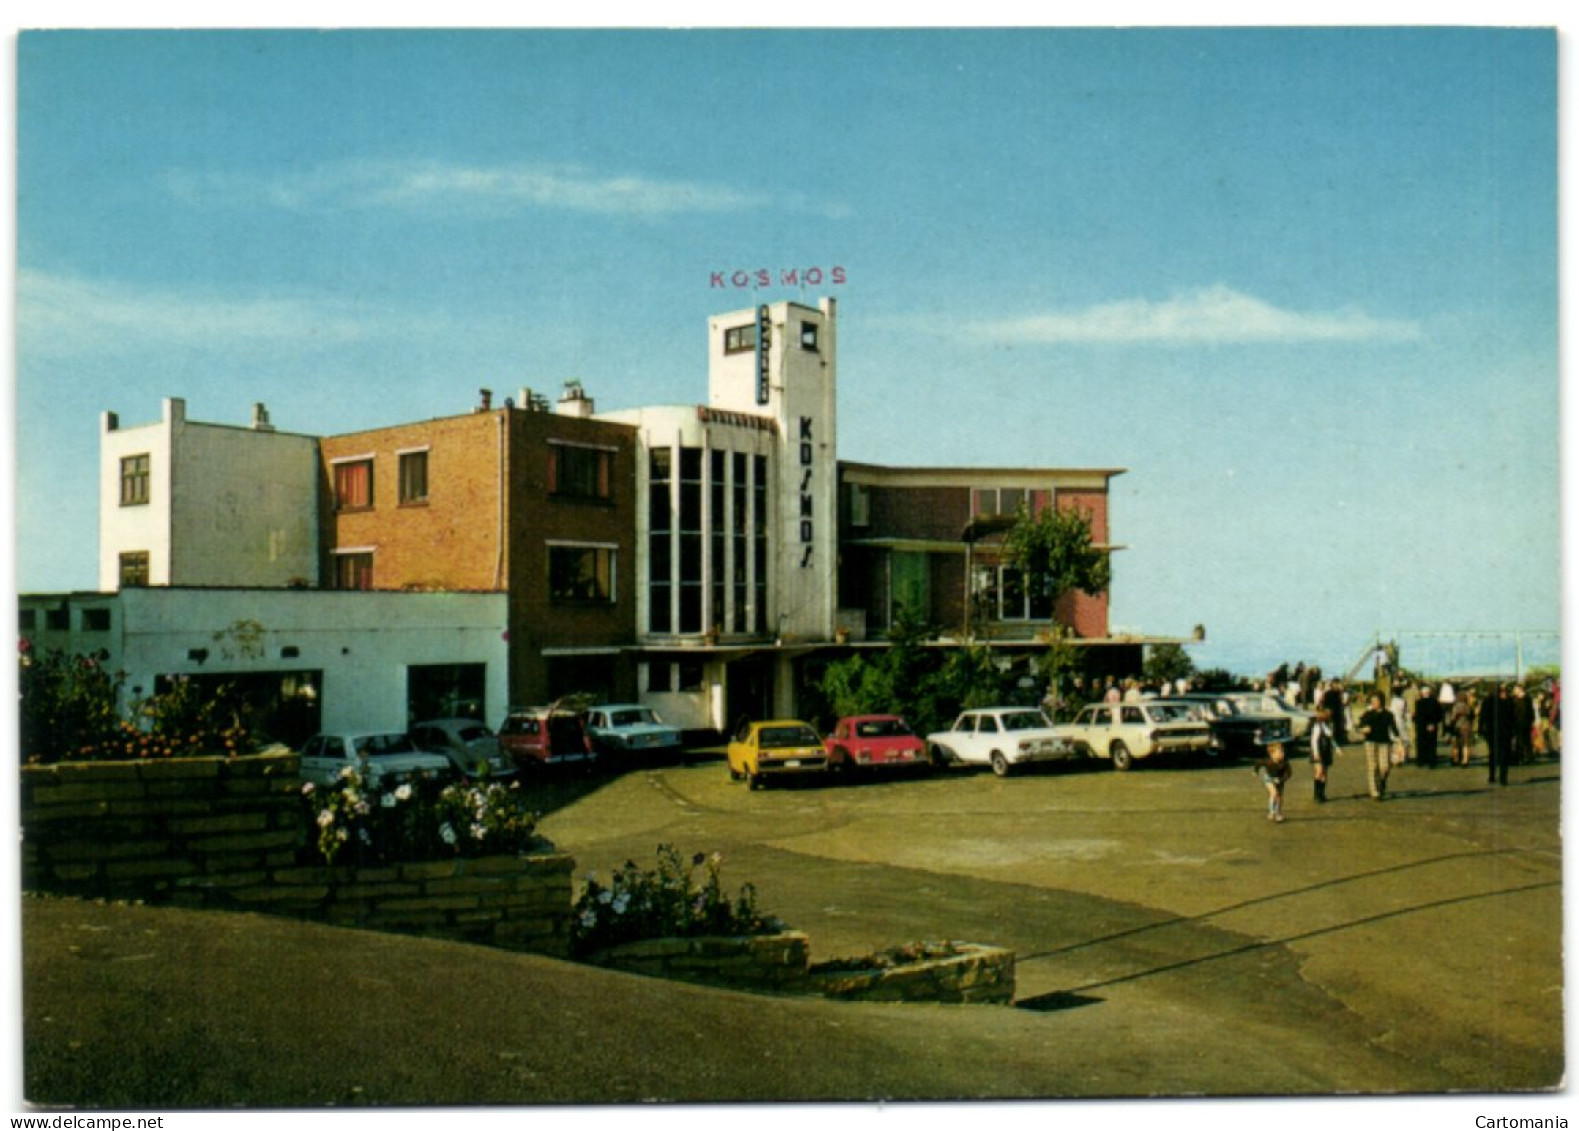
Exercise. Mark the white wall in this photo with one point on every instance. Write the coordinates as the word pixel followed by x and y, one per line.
pixel 362 642
pixel 144 526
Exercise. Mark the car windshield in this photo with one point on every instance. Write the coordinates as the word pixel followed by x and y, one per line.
pixel 634 717
pixel 778 738
pixel 383 745
pixel 881 728
pixel 474 734
pixel 1023 720
pixel 1169 712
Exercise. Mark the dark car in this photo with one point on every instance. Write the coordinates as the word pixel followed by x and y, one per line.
pixel 1236 733
pixel 535 737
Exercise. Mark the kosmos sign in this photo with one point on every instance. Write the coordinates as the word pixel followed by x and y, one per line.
pixel 743 279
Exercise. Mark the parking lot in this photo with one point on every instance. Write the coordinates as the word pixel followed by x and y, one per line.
pixel 1183 942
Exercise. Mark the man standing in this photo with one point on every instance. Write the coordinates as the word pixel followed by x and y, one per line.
pixel 1428 724
pixel 1496 727
pixel 1523 725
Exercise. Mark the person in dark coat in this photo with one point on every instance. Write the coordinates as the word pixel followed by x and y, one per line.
pixel 1428 725
pixel 1522 711
pixel 1496 727
pixel 1332 702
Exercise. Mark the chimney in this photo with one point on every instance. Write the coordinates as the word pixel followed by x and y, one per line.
pixel 574 401
pixel 260 419
pixel 487 400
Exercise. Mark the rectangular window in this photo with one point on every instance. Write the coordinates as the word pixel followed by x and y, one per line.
pixel 353 570
pixel 660 676
pixel 580 473
pixel 581 574
pixel 27 620
pixel 808 336
pixel 134 569
pixel 95 620
pixel 991 502
pixel 740 339
pixel 660 544
pixel 58 620
pixel 691 673
pixel 860 505
pixel 413 478
pixel 134 480
pixel 353 485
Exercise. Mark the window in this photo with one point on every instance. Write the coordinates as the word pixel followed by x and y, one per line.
pixel 988 502
pixel 660 676
pixel 413 478
pixel 808 336
pixel 95 620
pixel 741 339
pixel 580 473
pixel 58 619
pixel 660 557
pixel 134 480
pixel 353 570
pixel 690 673
pixel 1012 598
pixel 353 485
pixel 134 569
pixel 860 505
pixel 581 574
pixel 27 620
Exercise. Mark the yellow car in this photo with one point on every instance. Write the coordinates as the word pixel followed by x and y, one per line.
pixel 783 746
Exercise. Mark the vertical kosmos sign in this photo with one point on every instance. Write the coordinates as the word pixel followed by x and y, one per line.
pixel 807 455
pixel 764 340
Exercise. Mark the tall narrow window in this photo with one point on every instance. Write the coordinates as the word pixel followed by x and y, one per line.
pixel 134 480
pixel 718 532
pixel 737 530
pixel 413 477
pixel 759 535
pixel 660 557
pixel 134 569
pixel 690 539
pixel 353 485
pixel 353 570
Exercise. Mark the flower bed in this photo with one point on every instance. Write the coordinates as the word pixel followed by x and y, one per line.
pixel 755 962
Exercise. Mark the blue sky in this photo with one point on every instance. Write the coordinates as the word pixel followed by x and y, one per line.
pixel 1301 283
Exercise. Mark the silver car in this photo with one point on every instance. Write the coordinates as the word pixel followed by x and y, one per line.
pixel 470 746
pixel 383 758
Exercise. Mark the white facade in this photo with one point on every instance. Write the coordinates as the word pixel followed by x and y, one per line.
pixel 357 649
pixel 207 504
pixel 794 382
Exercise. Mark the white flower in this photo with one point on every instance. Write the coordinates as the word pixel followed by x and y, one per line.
pixel 403 793
pixel 605 897
pixel 387 801
pixel 621 903
pixel 325 818
pixel 307 789
pixel 479 833
pixel 446 832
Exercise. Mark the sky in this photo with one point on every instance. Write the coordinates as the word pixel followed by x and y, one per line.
pixel 1301 284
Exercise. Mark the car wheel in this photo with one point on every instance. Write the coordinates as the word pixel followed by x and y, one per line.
pixel 1122 758
pixel 734 774
pixel 935 757
pixel 1000 764
pixel 754 779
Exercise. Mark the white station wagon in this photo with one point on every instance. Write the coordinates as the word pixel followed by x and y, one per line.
pixel 1001 737
pixel 1124 732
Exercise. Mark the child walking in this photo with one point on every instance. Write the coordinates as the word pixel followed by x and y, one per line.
pixel 1274 772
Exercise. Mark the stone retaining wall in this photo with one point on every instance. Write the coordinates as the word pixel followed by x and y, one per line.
pixel 228 834
pixel 971 974
pixel 757 962
pixel 974 974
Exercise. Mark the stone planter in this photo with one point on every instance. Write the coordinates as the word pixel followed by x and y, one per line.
pixel 953 972
pixel 756 962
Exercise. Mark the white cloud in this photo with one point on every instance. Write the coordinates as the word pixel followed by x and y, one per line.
pixel 1215 315
pixel 420 184
pixel 59 314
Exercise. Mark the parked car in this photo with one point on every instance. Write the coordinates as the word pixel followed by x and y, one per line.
pixel 535 737
pixel 1126 732
pixel 1003 738
pixel 626 729
pixel 1272 705
pixel 883 742
pixel 383 758
pixel 470 746
pixel 776 748
pixel 1238 734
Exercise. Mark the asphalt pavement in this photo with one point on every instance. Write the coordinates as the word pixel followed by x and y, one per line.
pixel 1171 942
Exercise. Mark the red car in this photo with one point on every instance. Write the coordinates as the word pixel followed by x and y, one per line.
pixel 883 742
pixel 534 737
